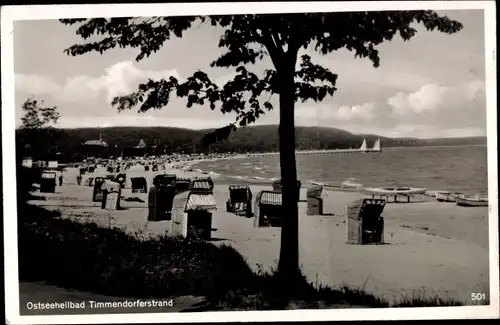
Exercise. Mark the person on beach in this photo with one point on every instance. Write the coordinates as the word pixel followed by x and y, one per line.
pixel 60 178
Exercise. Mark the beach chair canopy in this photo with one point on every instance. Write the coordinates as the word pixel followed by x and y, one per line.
pixel 111 187
pixel 194 201
pixel 236 187
pixel 269 197
pixel 138 182
pixel 239 193
pixel 315 191
pixel 99 179
pixel 201 201
pixel 182 184
pixel 372 208
pixel 164 180
pixel 48 175
pixel 205 184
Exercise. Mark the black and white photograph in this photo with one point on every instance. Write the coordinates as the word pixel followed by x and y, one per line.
pixel 250 161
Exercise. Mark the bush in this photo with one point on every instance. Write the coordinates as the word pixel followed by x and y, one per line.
pixel 109 261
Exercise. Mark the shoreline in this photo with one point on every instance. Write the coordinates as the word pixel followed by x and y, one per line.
pixel 429 194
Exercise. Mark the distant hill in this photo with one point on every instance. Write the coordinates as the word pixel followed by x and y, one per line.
pixel 249 139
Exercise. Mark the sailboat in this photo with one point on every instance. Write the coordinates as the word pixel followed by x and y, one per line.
pixel 376 146
pixel 363 147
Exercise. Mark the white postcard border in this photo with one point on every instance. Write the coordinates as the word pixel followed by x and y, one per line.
pixel 11 13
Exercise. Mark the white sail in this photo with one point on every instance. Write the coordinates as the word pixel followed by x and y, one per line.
pixel 376 146
pixel 363 146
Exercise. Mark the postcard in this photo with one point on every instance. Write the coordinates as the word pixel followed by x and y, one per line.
pixel 282 161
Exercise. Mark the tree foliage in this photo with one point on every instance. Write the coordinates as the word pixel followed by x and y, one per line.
pixel 37 115
pixel 39 133
pixel 247 40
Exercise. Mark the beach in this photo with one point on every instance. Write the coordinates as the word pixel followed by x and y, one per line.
pixel 430 248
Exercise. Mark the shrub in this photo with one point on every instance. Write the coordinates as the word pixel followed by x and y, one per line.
pixel 109 261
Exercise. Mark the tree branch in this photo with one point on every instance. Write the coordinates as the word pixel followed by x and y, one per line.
pixel 245 38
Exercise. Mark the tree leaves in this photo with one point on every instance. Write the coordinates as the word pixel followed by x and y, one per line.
pixel 309 75
pixel 246 40
pixel 37 130
pixel 38 116
pixel 147 34
pixel 217 135
pixel 361 32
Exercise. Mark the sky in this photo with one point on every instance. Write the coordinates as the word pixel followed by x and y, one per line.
pixel 431 86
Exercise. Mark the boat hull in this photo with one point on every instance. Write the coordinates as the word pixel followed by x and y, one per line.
pixel 446 196
pixel 353 185
pixel 394 191
pixel 471 202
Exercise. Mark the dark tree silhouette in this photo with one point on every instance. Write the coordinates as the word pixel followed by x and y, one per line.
pixel 35 139
pixel 248 39
pixel 37 124
pixel 37 115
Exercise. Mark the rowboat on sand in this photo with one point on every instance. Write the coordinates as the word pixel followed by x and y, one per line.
pixel 445 196
pixel 394 191
pixel 472 201
pixel 351 182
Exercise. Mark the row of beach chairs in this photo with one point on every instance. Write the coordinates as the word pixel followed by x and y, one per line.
pixel 363 217
pixel 186 204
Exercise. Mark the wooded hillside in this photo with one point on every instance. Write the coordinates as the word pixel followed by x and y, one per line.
pixel 249 139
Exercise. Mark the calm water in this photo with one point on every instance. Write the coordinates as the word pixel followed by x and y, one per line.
pixel 462 168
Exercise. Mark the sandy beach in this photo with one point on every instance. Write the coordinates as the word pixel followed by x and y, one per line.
pixel 431 248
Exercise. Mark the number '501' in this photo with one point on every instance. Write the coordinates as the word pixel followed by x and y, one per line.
pixel 478 296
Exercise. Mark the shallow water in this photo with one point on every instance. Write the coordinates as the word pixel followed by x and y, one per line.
pixel 460 168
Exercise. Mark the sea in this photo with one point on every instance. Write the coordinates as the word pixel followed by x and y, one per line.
pixel 452 168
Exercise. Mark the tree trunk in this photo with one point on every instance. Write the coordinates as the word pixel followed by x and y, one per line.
pixel 288 267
